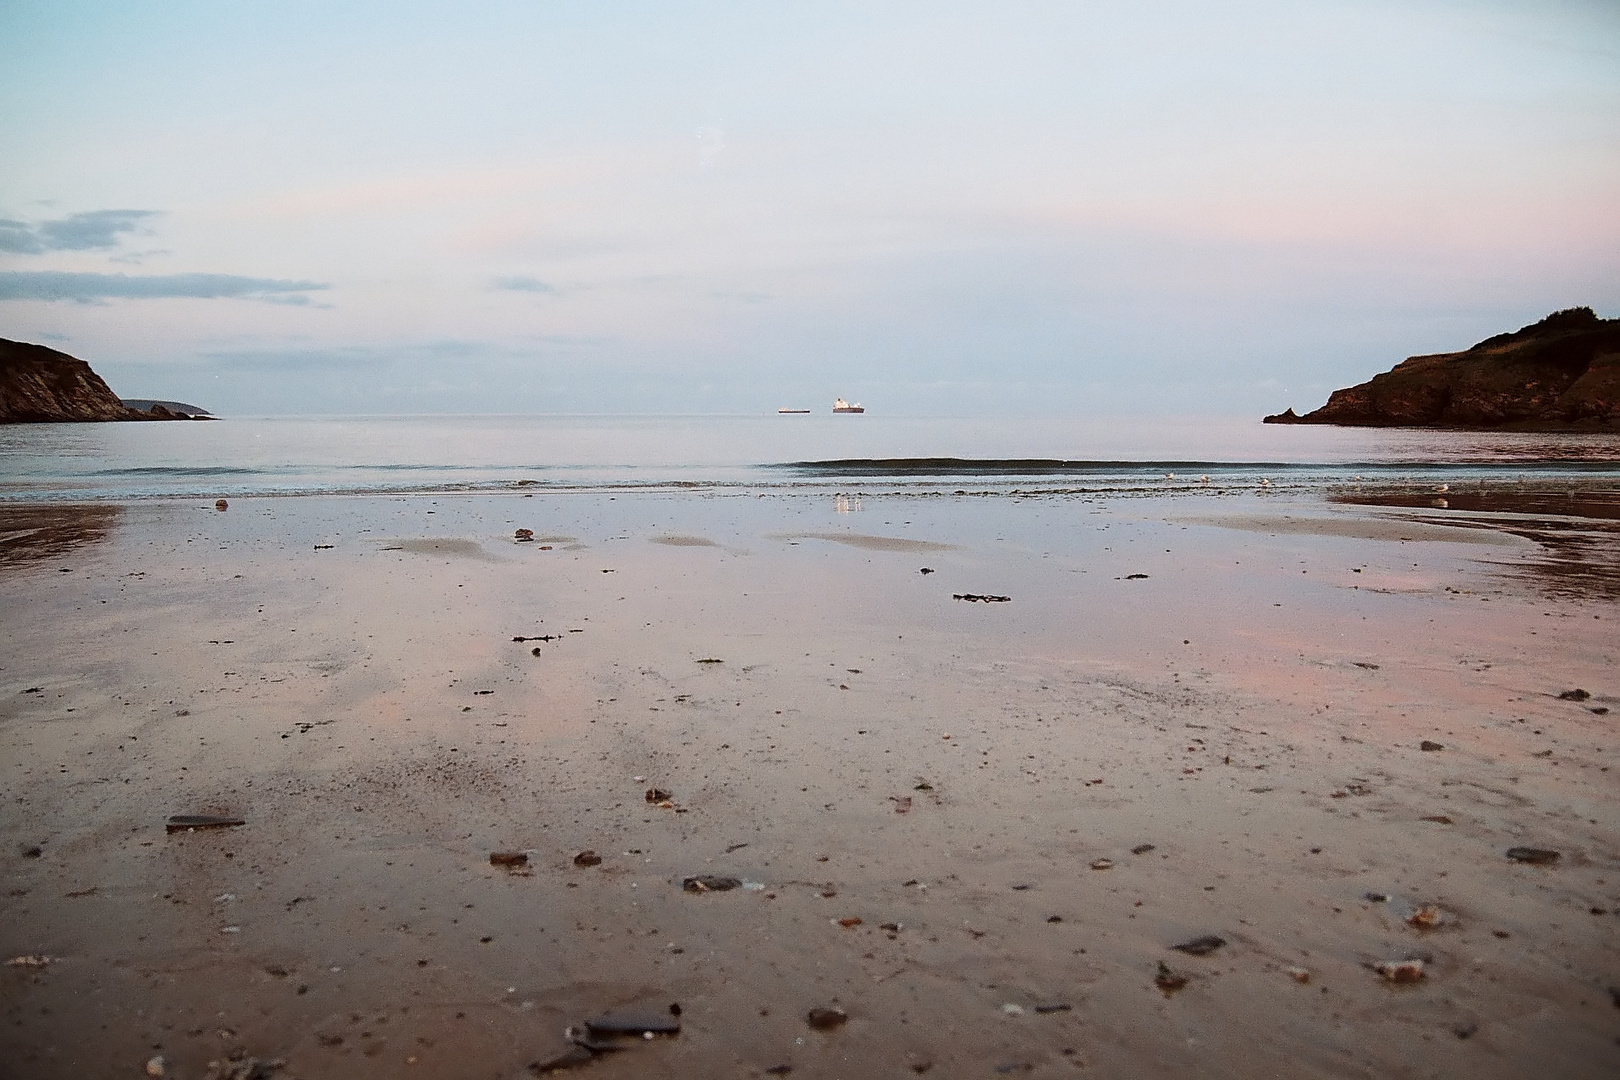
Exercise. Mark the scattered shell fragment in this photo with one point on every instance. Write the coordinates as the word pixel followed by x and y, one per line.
pixel 1102 864
pixel 1426 917
pixel 154 1066
pixel 1012 1009
pixel 29 961
pixel 1298 974
pixel 703 883
pixel 1167 980
pixel 1400 971
pixel 185 822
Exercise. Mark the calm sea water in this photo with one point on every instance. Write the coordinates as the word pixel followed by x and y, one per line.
pixel 95 462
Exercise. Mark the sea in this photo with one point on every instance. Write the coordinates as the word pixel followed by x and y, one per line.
pixel 290 456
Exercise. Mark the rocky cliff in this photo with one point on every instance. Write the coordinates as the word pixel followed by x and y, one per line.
pixel 1560 374
pixel 43 386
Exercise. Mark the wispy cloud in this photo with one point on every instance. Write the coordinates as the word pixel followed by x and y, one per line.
pixel 89 231
pixel 90 288
pixel 524 284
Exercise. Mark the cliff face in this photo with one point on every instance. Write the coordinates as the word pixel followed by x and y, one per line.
pixel 1560 374
pixel 43 386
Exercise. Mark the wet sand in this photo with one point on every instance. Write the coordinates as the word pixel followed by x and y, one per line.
pixel 978 784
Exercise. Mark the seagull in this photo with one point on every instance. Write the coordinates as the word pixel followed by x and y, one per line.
pixel 1443 488
pixel 1264 482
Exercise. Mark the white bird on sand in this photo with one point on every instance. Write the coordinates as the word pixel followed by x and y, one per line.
pixel 1264 482
pixel 1443 488
pixel 1203 479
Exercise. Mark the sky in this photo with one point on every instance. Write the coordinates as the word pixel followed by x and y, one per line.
pixel 943 207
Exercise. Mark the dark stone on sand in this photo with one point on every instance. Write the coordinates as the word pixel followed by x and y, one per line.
pixel 1375 897
pixel 634 1022
pixel 184 822
pixel 508 858
pixel 587 858
pixel 1428 745
pixel 709 883
pixel 1057 1007
pixel 1576 694
pixel 980 598
pixel 1560 374
pixel 1141 849
pixel 32 852
pixel 826 1019
pixel 1465 1031
pixel 1200 946
pixel 1533 855
pixel 658 795
pixel 1135 577
pixel 926 570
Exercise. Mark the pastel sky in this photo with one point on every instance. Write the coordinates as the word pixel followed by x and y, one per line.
pixel 936 207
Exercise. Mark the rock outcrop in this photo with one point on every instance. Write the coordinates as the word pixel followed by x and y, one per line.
pixel 43 386
pixel 1560 374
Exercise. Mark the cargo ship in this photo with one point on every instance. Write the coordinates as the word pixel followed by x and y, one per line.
pixel 841 405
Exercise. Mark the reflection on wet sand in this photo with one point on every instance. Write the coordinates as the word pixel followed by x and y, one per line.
pixel 31 532
pixel 1576 530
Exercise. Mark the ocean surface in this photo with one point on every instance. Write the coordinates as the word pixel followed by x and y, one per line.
pixel 403 454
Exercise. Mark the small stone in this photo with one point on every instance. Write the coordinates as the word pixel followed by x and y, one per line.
pixel 1574 695
pixel 1102 864
pixel 826 1019
pixel 1012 1009
pixel 220 505
pixel 508 858
pixel 1141 849
pixel 587 858
pixel 524 536
pixel 1298 974
pixel 154 1066
pixel 1532 855
pixel 1055 1007
pixel 850 922
pixel 1465 1030
pixel 634 1022
pixel 658 795
pixel 1428 745
pixel 1200 946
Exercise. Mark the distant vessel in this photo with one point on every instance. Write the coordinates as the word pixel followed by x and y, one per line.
pixel 841 405
pixel 792 410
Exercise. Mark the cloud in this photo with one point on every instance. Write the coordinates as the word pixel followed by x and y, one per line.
pixel 86 231
pixel 90 288
pixel 524 284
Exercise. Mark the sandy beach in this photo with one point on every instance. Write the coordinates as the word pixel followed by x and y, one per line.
pixel 974 828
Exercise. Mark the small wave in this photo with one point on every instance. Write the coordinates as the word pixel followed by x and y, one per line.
pixel 951 466
pixel 181 470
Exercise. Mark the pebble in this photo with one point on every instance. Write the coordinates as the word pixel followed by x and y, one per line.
pixel 826 1019
pixel 1200 946
pixel 1533 855
pixel 587 858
